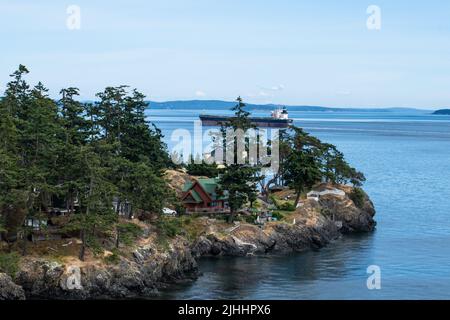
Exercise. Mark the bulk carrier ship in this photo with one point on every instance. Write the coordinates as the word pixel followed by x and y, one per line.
pixel 278 119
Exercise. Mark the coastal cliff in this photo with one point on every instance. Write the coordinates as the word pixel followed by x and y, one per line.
pixel 150 265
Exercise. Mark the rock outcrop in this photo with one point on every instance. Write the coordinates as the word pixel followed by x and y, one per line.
pixel 314 224
pixel 9 290
pixel 139 275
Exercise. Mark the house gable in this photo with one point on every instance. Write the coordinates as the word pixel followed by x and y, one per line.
pixel 192 197
pixel 194 192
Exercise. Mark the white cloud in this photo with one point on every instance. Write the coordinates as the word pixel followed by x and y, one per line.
pixel 200 93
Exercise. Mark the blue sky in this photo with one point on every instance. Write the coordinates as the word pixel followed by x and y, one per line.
pixel 284 51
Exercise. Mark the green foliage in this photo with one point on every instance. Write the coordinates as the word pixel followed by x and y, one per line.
pixel 358 197
pixel 283 205
pixel 306 161
pixel 83 154
pixel 88 154
pixel 128 232
pixel 192 227
pixel 238 181
pixel 9 263
pixel 114 258
pixel 336 169
pixel 198 167
pixel 169 227
pixel 286 206
pixel 301 167
pixel 278 215
pixel 248 218
pixel 241 119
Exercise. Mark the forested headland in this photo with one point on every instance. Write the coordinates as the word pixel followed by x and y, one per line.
pixel 85 156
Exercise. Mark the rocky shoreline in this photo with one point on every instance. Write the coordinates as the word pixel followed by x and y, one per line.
pixel 148 268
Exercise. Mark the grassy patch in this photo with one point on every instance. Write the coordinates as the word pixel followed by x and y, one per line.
pixel 283 205
pixel 248 218
pixel 128 232
pixel 9 263
pixel 114 258
pixel 169 227
pixel 192 227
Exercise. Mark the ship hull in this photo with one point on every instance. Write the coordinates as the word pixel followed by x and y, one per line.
pixel 212 121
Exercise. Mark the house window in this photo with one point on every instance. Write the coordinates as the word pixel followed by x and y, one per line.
pixel 213 204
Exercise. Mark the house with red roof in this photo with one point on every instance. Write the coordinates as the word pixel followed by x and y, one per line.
pixel 204 196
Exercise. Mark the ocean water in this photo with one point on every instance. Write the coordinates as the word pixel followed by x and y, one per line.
pixel 405 156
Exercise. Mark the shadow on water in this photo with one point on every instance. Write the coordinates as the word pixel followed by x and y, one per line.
pixel 290 276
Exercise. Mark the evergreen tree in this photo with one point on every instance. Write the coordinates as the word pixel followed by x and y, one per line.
pixel 81 153
pixel 301 168
pixel 238 181
pixel 13 192
pixel 198 167
pixel 97 218
pixel 75 133
pixel 306 161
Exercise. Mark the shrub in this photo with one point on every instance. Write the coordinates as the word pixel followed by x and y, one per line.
pixel 283 205
pixel 248 218
pixel 358 196
pixel 169 227
pixel 9 263
pixel 114 258
pixel 128 232
pixel 287 206
pixel 278 215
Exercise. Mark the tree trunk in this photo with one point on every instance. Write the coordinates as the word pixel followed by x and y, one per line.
pixel 83 228
pixel 24 244
pixel 117 239
pixel 266 187
pixel 297 199
pixel 83 245
pixel 68 197
pixel 232 214
pixel 119 203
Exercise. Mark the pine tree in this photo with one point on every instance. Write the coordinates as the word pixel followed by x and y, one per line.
pixel 238 180
pixel 75 131
pixel 96 218
pixel 13 191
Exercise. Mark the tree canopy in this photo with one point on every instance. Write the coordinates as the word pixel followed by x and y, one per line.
pixel 84 155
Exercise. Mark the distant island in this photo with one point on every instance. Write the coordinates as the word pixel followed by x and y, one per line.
pixel 226 105
pixel 442 112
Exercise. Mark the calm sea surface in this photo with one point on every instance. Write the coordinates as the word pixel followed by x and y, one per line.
pixel 406 158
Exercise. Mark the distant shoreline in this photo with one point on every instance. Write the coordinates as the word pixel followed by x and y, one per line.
pixel 219 105
pixel 444 112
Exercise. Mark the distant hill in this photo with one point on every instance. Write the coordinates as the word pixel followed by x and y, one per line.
pixel 442 112
pixel 220 105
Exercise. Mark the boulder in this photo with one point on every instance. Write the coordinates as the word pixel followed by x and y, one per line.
pixel 9 290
